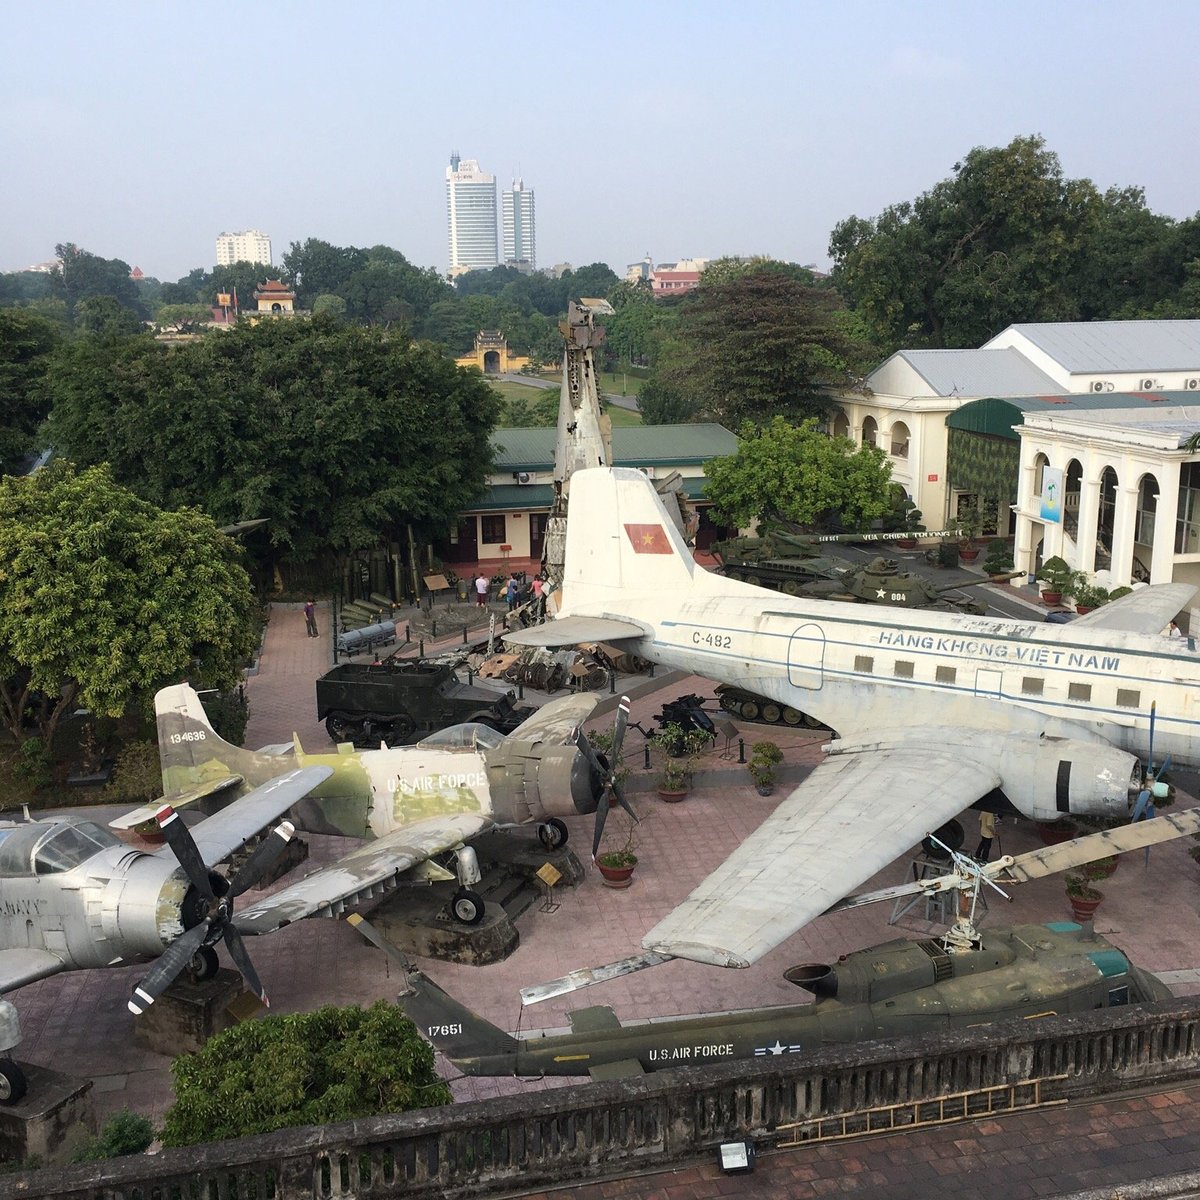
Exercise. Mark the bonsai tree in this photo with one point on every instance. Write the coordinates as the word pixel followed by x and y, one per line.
pixel 765 756
pixel 623 856
pixel 999 558
pixel 970 522
pixel 1091 595
pixel 1060 578
pixel 1080 888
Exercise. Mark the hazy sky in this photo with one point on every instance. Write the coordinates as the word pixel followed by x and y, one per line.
pixel 142 130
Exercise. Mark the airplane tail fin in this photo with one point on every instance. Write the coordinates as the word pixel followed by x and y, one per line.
pixel 620 538
pixel 189 749
pixel 473 1045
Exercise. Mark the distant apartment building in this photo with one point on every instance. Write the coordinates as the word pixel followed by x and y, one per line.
pixel 471 216
pixel 248 246
pixel 517 227
pixel 670 279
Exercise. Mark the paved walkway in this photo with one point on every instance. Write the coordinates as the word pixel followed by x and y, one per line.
pixel 78 1021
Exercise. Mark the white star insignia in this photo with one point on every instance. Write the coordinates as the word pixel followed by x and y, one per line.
pixel 777 1048
pixel 881 593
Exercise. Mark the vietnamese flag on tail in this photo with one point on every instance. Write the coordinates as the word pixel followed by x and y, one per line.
pixel 648 539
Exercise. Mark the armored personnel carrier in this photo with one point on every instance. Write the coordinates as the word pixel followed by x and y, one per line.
pixel 401 700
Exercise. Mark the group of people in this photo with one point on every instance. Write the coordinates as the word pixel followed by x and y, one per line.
pixel 514 592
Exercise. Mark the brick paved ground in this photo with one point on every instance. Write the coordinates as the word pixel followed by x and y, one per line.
pixel 78 1022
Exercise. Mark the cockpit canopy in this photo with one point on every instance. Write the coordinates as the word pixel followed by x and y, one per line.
pixel 46 848
pixel 468 736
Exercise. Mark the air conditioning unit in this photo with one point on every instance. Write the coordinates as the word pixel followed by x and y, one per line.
pixel 523 476
pixel 1101 385
pixel 647 471
pixel 1192 385
pixel 1149 385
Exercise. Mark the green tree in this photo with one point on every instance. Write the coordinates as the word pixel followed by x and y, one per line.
pixel 330 304
pixel 26 342
pixel 757 344
pixel 315 266
pixel 188 318
pixel 104 597
pixel 1006 239
pixel 81 275
pixel 105 316
pixel 314 1068
pixel 337 434
pixel 538 409
pixel 785 472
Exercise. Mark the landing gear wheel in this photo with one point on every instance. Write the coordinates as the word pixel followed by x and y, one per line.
pixel 952 834
pixel 204 964
pixel 792 716
pixel 772 713
pixel 750 710
pixel 553 833
pixel 467 906
pixel 12 1082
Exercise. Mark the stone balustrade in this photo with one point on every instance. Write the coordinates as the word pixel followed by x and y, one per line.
pixel 592 1130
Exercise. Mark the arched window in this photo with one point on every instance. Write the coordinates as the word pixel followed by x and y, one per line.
pixel 870 434
pixel 899 440
pixel 1040 463
pixel 841 425
pixel 1143 529
pixel 1107 520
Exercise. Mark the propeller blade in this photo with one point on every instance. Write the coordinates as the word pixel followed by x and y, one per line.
pixel 266 855
pixel 601 817
pixel 183 846
pixel 619 727
pixel 241 960
pixel 599 774
pixel 167 967
pixel 620 795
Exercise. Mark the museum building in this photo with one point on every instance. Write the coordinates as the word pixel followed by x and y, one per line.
pixel 1103 413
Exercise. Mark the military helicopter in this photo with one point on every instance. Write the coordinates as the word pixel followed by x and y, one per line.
pixel 899 988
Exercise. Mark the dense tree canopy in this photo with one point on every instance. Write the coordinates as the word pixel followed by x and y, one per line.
pixel 754 344
pixel 26 340
pixel 104 597
pixel 796 473
pixel 81 275
pixel 313 1068
pixel 1008 238
pixel 339 435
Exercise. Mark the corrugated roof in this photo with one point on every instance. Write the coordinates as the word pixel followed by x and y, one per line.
pixel 1005 372
pixel 513 497
pixel 999 415
pixel 633 446
pixel 1091 346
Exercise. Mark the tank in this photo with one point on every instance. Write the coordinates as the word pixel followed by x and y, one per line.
pixel 402 700
pixel 750 706
pixel 776 560
pixel 882 581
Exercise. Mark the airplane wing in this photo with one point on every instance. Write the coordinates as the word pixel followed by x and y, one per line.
pixel 370 870
pixel 177 800
pixel 557 720
pixel 569 631
pixel 1147 610
pixel 854 814
pixel 22 965
pixel 220 835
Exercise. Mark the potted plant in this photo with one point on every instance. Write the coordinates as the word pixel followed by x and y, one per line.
pixel 970 526
pixel 1100 868
pixel 1089 596
pixel 1058 580
pixel 616 866
pixel 1053 832
pixel 1084 898
pixel 765 756
pixel 679 748
pixel 998 561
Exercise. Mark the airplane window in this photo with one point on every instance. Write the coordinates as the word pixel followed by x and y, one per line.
pixel 471 736
pixel 1118 996
pixel 1128 698
pixel 946 674
pixel 1031 686
pixel 1079 691
pixel 903 670
pixel 864 664
pixel 67 845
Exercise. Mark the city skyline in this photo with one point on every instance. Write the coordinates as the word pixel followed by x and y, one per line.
pixel 137 131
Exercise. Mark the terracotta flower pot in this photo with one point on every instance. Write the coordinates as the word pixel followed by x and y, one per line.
pixel 1052 599
pixel 672 795
pixel 616 877
pixel 1082 909
pixel 968 553
pixel 1053 832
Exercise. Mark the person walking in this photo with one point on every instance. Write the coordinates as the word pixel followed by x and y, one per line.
pixel 310 618
pixel 987 831
pixel 510 592
pixel 481 590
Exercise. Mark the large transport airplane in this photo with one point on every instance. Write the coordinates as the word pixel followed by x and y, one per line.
pixel 933 711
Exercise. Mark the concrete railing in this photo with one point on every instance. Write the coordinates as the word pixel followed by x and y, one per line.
pixel 611 1128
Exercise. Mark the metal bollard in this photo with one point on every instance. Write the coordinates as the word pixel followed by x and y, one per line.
pixel 407 634
pixel 421 648
pixel 470 677
pixel 646 752
pixel 433 631
pixel 741 750
pixel 464 635
pixel 612 682
pixel 651 670
pixel 521 690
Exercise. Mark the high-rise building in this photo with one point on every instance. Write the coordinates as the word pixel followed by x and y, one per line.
pixel 471 214
pixel 517 224
pixel 247 246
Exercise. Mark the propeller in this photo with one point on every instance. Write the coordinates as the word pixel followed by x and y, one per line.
pixel 217 921
pixel 606 776
pixel 1152 788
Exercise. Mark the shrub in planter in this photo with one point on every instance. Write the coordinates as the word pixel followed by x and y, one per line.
pixel 765 756
pixel 999 558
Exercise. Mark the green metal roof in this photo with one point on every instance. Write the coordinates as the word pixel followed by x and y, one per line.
pixel 633 446
pixel 999 417
pixel 513 497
